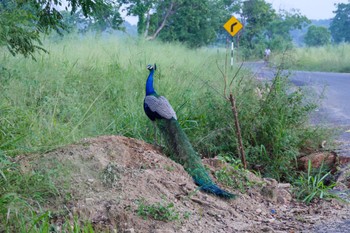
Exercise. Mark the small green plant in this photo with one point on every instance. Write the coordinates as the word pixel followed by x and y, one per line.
pixel 42 223
pixel 158 211
pixel 225 177
pixel 169 168
pixel 310 186
pixel 233 176
pixel 187 215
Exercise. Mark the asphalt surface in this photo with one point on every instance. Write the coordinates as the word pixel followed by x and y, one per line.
pixel 334 110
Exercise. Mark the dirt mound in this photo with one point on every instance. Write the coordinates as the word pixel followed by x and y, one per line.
pixel 124 185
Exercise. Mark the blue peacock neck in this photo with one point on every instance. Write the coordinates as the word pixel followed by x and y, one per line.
pixel 149 84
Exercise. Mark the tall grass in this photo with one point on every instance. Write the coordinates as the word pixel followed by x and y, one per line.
pixel 90 86
pixel 331 58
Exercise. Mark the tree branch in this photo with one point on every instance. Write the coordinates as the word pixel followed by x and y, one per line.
pixel 163 22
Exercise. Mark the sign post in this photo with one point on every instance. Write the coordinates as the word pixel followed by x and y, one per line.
pixel 233 26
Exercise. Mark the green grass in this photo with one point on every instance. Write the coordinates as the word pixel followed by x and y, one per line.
pixel 330 58
pixel 312 185
pixel 90 86
pixel 159 211
pixel 87 87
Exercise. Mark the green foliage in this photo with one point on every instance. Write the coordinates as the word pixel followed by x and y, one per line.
pixel 42 223
pixel 159 211
pixel 279 128
pixel 19 192
pixel 264 27
pixel 317 36
pixel 139 8
pixel 22 195
pixel 339 27
pixel 234 176
pixel 312 185
pixel 256 14
pixel 16 29
pixel 195 22
pixel 23 22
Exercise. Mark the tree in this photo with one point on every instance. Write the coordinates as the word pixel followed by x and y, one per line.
pixel 152 14
pixel 278 30
pixel 139 8
pixel 264 27
pixel 22 22
pixel 194 23
pixel 339 27
pixel 256 16
pixel 317 36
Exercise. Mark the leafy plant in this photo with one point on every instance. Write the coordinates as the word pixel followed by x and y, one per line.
pixel 158 211
pixel 310 186
pixel 279 128
pixel 234 175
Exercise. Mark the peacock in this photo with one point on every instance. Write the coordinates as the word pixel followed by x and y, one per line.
pixel 159 111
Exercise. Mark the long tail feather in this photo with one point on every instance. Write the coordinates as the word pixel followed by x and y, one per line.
pixel 182 152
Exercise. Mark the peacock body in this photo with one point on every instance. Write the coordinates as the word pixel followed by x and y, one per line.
pixel 159 110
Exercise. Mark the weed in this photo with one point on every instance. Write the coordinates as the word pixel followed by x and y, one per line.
pixel 187 215
pixel 42 223
pixel 234 175
pixel 21 193
pixel 158 211
pixel 311 185
pixel 169 168
pixel 110 175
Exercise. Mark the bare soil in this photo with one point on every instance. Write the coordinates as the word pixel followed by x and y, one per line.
pixel 106 179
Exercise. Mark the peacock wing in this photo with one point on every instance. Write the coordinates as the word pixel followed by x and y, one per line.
pixel 161 106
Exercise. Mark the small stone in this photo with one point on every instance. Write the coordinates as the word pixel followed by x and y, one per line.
pixel 89 200
pixel 91 181
pixel 258 211
pixel 267 229
pixel 284 185
pixel 130 230
pixel 269 192
pixel 283 196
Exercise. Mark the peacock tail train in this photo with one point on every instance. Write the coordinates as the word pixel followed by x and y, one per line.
pixel 183 153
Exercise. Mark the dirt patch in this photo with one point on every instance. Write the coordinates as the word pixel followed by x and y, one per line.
pixel 109 177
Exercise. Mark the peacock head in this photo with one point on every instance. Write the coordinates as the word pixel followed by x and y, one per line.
pixel 150 67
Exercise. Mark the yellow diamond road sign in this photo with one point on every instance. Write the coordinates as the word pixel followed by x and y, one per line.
pixel 233 26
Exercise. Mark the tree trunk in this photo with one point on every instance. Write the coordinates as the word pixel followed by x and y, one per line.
pixel 163 22
pixel 148 19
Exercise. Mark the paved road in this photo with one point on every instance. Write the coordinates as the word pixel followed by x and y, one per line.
pixel 335 108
